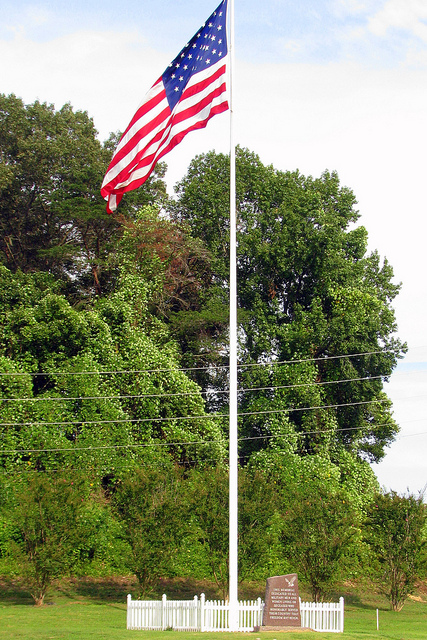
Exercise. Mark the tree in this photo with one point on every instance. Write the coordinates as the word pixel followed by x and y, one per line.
pixel 96 387
pixel 319 528
pixel 395 531
pixel 151 506
pixel 52 216
pixel 48 521
pixel 259 525
pixel 310 297
pixel 208 498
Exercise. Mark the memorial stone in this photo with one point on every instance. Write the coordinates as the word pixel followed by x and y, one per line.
pixel 282 608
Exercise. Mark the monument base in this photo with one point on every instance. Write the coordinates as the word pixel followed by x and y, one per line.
pixel 282 629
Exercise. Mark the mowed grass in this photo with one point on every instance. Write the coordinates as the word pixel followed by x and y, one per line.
pixel 100 613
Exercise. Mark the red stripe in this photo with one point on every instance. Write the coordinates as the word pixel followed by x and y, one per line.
pixel 140 134
pixel 154 158
pixel 199 106
pixel 133 142
pixel 170 120
pixel 146 106
pixel 200 86
pixel 201 124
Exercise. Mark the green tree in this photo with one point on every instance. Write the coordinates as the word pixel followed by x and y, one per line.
pixel 208 497
pixel 395 531
pixel 52 216
pixel 95 387
pixel 178 268
pixel 48 520
pixel 151 506
pixel 259 525
pixel 319 529
pixel 309 295
pixel 258 522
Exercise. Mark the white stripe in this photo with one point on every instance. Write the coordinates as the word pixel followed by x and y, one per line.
pixel 171 130
pixel 206 73
pixel 147 117
pixel 170 133
pixel 184 103
pixel 130 156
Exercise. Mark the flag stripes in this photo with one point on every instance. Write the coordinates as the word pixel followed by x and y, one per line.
pixel 156 129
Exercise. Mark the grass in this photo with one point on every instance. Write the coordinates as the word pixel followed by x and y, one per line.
pixel 96 610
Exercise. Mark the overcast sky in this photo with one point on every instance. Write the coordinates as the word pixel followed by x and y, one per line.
pixel 322 84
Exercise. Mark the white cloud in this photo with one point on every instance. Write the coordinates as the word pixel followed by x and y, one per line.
pixel 402 14
pixel 37 15
pixel 105 73
pixel 368 124
pixel 344 8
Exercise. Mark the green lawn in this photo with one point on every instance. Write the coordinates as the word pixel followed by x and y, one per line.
pixel 83 615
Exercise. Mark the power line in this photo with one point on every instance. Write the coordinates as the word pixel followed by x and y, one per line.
pixel 198 392
pixel 208 415
pixel 207 368
pixel 198 417
pixel 193 393
pixel 146 445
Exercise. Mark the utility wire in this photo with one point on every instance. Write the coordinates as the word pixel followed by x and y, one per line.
pixel 198 417
pixel 208 415
pixel 194 393
pixel 207 368
pixel 213 391
pixel 145 445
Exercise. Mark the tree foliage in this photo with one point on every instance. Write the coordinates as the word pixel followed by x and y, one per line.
pixel 319 529
pixel 94 387
pixel 48 520
pixel 308 291
pixel 114 359
pixel 52 216
pixel 151 505
pixel 395 531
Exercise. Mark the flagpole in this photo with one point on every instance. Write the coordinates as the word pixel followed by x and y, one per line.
pixel 233 452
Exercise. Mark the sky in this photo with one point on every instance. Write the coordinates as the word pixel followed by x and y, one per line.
pixel 338 85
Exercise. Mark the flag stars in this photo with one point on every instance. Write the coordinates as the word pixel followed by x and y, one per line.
pixel 174 84
pixel 204 49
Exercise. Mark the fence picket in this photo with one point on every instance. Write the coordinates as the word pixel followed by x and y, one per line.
pixel 213 615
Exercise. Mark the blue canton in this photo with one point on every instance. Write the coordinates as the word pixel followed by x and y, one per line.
pixel 205 49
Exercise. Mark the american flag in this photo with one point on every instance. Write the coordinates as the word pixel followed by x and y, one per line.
pixel 190 92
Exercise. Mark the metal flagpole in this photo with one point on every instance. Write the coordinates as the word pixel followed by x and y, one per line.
pixel 233 453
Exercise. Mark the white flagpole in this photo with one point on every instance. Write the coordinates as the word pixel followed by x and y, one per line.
pixel 233 453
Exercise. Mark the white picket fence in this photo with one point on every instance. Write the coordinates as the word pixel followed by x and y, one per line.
pixel 200 614
pixel 323 616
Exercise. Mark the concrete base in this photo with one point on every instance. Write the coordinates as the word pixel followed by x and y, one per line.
pixel 280 629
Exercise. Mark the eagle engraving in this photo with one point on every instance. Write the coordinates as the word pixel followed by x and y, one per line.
pixel 291 581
